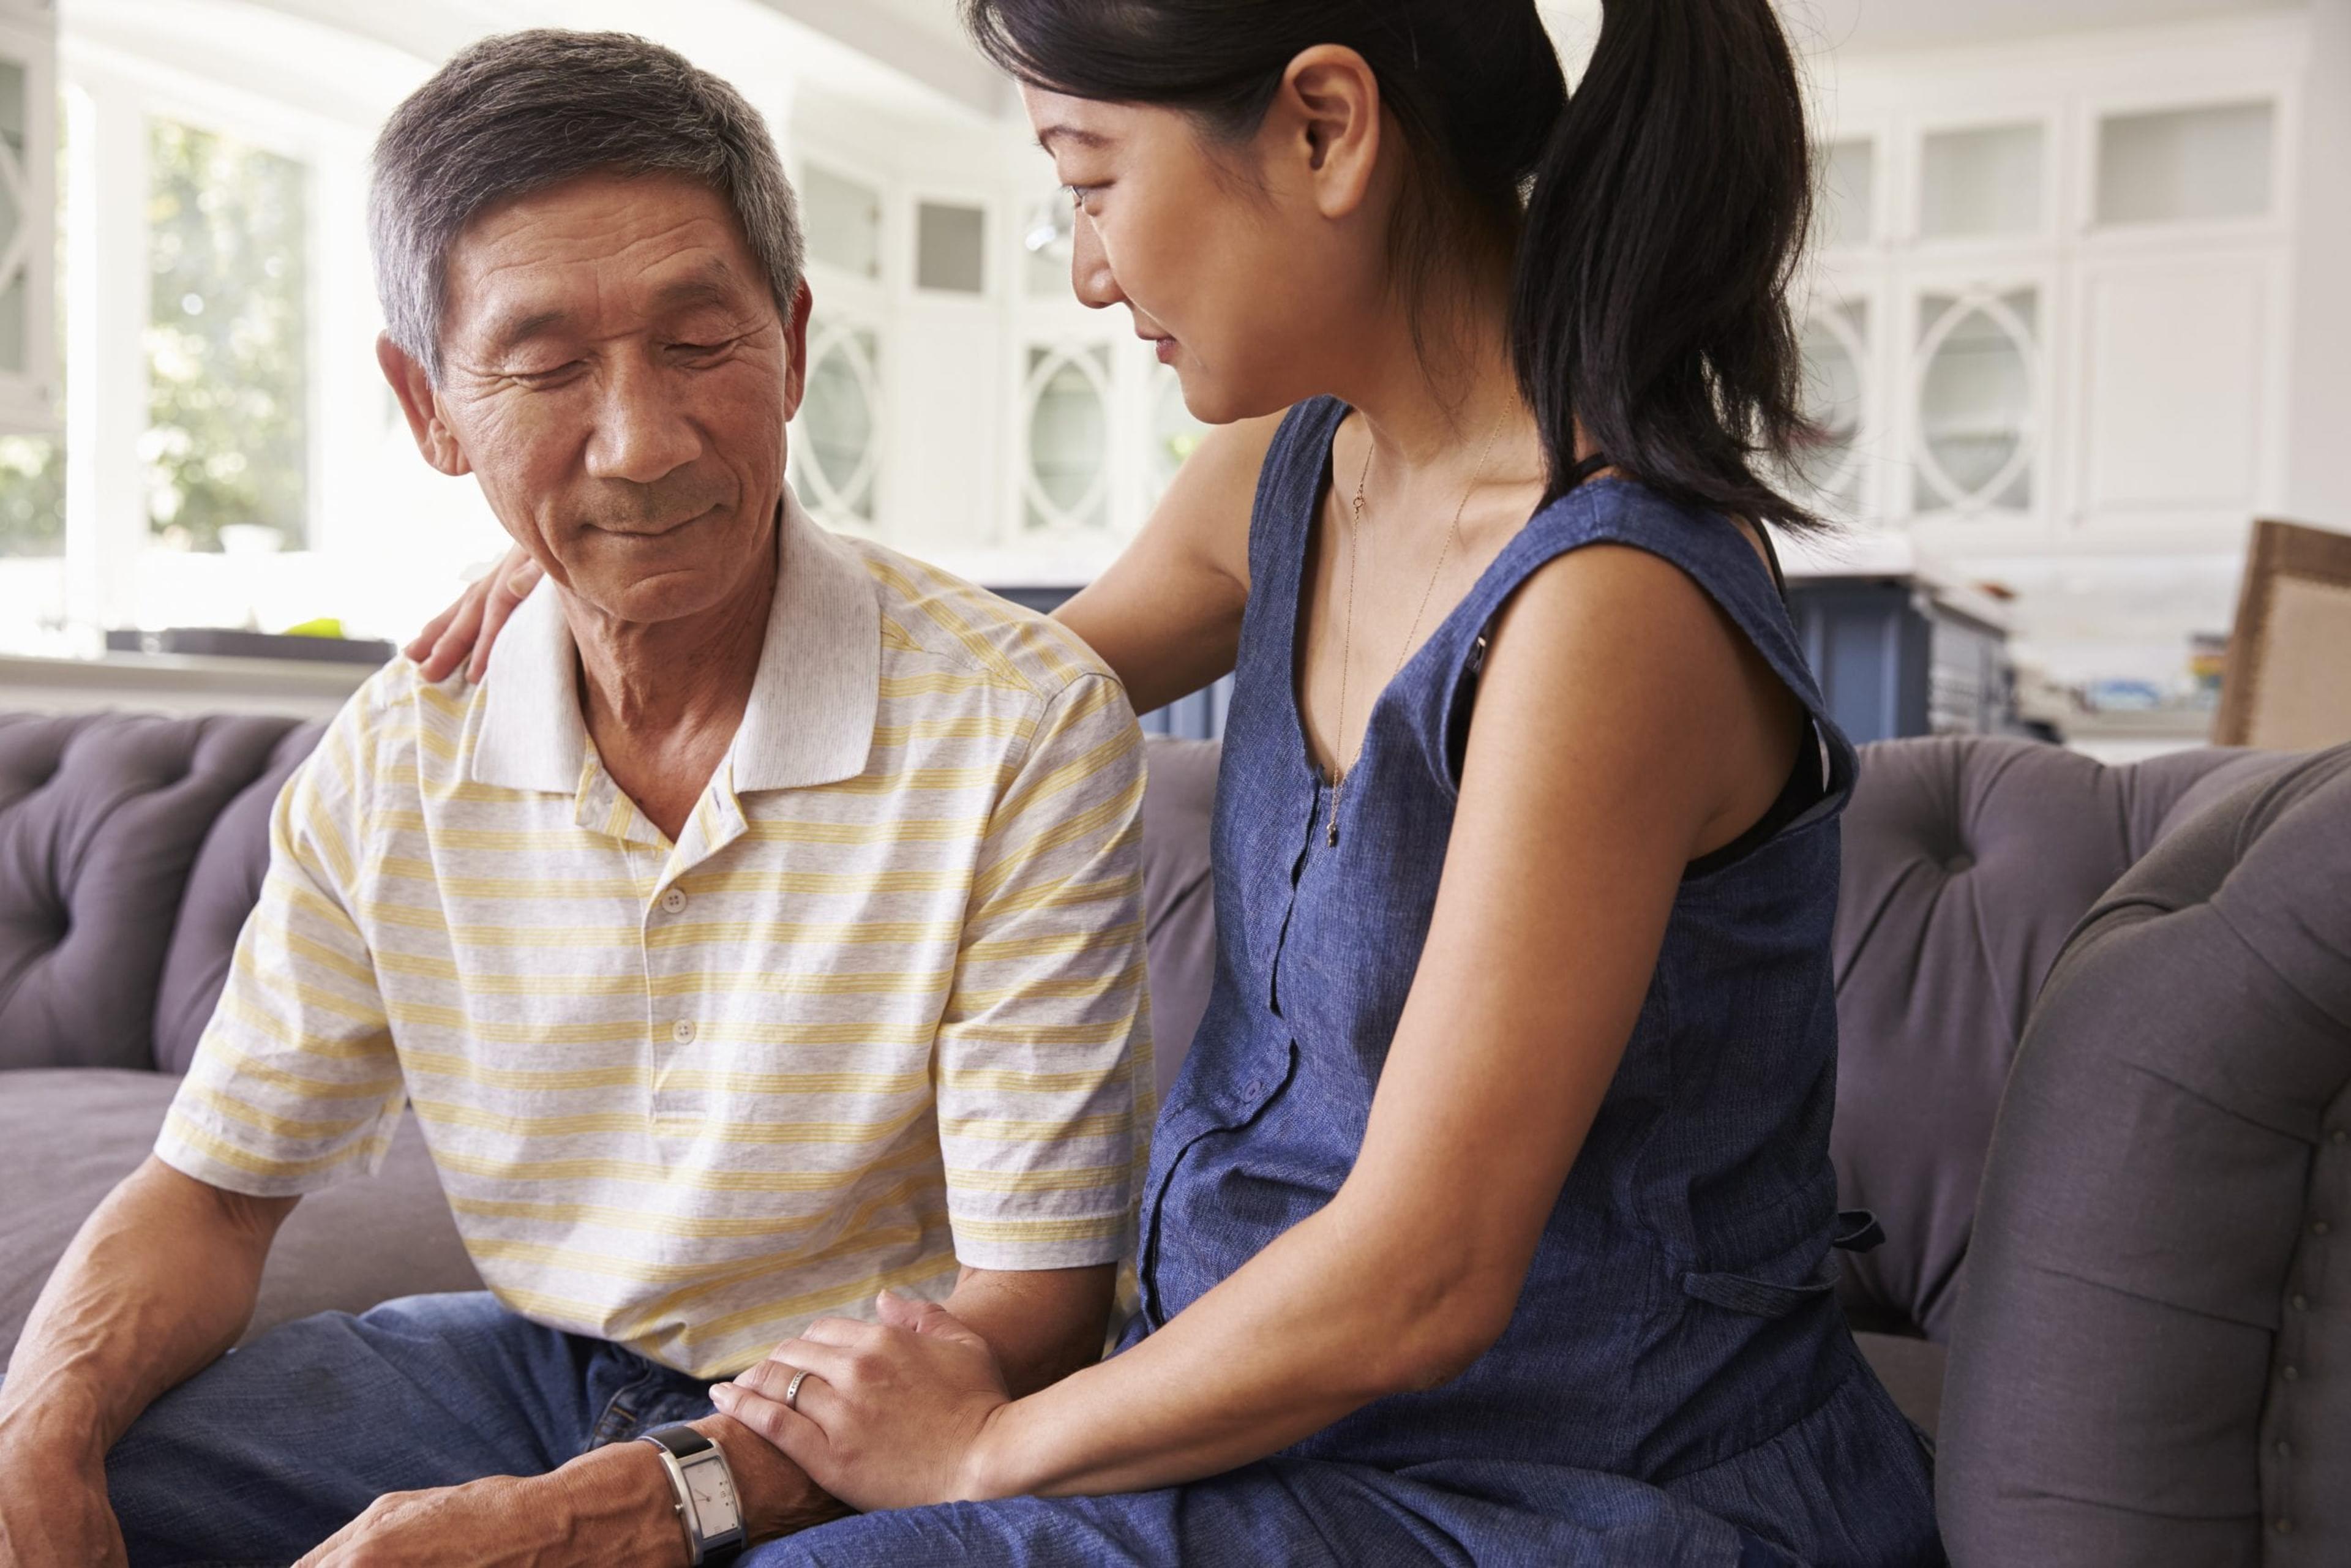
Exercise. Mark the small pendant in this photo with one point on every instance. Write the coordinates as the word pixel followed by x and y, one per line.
pixel 1331 838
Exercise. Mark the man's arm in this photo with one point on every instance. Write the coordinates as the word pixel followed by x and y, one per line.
pixel 1042 1325
pixel 160 1281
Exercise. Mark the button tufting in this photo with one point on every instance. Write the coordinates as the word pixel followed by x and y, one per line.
pixel 1958 864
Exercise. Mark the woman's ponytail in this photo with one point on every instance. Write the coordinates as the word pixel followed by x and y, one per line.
pixel 1650 301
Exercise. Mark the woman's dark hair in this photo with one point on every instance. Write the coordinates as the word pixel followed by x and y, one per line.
pixel 1657 216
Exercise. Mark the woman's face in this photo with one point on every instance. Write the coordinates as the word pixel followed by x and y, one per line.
pixel 1228 255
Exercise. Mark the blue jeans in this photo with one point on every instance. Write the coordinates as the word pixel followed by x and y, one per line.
pixel 274 1447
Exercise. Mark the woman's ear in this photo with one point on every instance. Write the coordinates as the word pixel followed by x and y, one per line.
pixel 412 386
pixel 1327 114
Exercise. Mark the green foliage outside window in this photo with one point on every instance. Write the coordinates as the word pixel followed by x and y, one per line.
pixel 33 467
pixel 32 495
pixel 228 356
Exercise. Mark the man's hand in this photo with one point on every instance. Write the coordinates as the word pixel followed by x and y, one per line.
pixel 53 1513
pixel 613 1504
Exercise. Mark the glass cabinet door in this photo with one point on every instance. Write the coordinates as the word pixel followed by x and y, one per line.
pixel 1067 482
pixel 1836 344
pixel 1977 413
pixel 837 446
pixel 1981 184
pixel 843 222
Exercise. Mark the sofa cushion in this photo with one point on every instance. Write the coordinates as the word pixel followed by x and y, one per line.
pixel 1967 863
pixel 1179 901
pixel 1912 1371
pixel 222 888
pixel 69 1135
pixel 101 818
pixel 2151 1362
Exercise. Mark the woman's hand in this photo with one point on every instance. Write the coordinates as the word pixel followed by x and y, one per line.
pixel 892 1415
pixel 464 633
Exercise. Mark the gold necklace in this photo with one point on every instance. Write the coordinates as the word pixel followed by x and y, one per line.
pixel 1347 641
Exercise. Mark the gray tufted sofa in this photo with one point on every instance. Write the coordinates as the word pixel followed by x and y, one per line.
pixel 2141 1277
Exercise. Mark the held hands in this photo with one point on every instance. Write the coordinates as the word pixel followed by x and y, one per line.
pixel 892 1415
pixel 463 633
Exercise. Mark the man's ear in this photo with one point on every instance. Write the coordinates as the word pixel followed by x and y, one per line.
pixel 795 352
pixel 413 387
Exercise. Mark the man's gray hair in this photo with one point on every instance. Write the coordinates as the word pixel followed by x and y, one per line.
pixel 523 112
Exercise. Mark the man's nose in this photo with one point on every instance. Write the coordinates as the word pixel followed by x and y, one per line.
pixel 1089 272
pixel 641 432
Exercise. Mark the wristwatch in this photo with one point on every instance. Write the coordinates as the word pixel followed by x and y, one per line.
pixel 706 1503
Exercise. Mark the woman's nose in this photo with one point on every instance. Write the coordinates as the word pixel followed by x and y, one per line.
pixel 1090 272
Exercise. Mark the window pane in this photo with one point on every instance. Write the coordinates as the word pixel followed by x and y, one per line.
pixel 15 297
pixel 33 467
pixel 227 442
pixel 32 495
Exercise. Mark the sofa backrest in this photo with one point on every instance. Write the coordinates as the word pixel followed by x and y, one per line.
pixel 222 888
pixel 130 850
pixel 103 819
pixel 2151 1362
pixel 1968 860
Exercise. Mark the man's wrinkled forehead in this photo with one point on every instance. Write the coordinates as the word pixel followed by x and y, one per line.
pixel 599 255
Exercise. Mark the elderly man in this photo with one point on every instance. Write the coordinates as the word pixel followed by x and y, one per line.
pixel 762 935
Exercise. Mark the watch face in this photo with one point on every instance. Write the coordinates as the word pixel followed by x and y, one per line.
pixel 714 1496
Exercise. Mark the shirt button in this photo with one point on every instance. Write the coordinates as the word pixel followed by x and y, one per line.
pixel 2340 1136
pixel 2292 1374
pixel 674 901
pixel 2301 1304
pixel 2318 1228
pixel 2285 1526
pixel 681 1030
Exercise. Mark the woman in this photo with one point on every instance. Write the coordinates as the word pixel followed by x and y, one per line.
pixel 1490 1219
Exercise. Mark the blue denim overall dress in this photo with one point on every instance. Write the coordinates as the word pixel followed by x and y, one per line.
pixel 1677 1385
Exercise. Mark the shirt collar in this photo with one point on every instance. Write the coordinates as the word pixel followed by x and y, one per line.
pixel 810 717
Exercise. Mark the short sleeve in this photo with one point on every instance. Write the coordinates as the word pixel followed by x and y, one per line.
pixel 295 1082
pixel 1044 1048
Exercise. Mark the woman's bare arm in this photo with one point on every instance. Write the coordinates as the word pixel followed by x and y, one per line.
pixel 1166 617
pixel 1622 728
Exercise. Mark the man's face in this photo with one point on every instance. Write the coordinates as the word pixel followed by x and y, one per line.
pixel 615 374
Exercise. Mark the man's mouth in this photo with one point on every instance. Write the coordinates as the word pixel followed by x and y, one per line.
pixel 652 531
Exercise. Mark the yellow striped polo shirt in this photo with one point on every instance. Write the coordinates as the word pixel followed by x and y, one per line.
pixel 878 1011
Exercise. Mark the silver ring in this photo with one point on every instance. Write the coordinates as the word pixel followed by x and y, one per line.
pixel 793 1391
